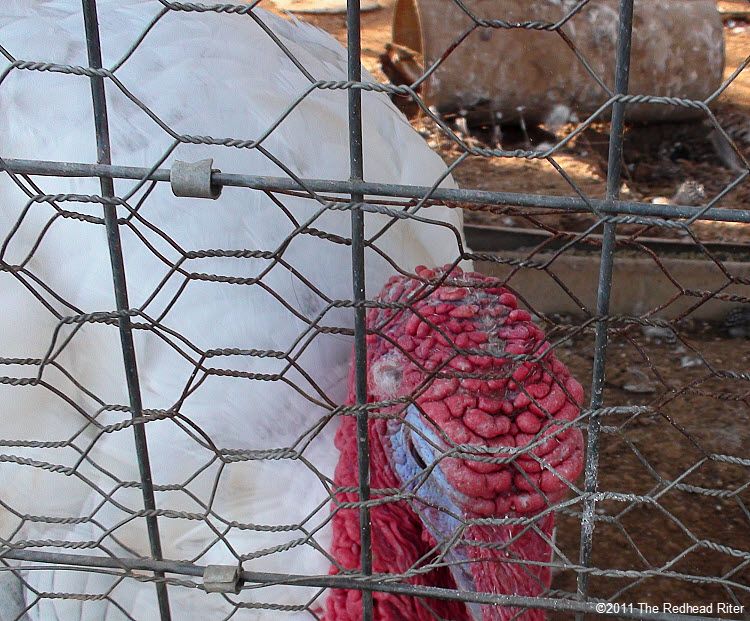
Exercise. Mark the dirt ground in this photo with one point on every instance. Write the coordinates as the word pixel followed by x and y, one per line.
pixel 657 158
pixel 698 525
pixel 695 414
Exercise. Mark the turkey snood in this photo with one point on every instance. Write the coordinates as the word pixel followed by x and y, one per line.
pixel 483 436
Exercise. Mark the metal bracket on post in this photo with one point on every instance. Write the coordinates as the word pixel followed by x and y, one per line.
pixel 222 579
pixel 193 179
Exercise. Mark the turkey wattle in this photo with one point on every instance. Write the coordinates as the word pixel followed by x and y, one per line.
pixel 513 405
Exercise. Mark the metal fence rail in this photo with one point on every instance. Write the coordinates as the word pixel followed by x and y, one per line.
pixel 583 583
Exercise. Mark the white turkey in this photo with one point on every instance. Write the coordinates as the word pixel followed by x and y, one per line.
pixel 202 74
pixel 210 379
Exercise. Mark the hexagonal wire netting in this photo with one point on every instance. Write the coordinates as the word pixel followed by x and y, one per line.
pixel 659 515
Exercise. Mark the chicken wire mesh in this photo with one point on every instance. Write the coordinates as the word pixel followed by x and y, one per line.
pixel 659 514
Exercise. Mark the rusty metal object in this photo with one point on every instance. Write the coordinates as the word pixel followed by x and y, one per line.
pixel 401 64
pixel 321 7
pixel 677 51
pixel 644 274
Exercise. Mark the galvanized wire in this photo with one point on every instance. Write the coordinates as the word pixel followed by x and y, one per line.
pixel 588 505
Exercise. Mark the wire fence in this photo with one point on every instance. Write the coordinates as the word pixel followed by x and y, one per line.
pixel 470 480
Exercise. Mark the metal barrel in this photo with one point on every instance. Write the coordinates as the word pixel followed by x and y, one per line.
pixel 530 58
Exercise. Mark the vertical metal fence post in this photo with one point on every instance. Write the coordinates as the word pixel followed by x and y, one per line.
pixel 614 170
pixel 356 173
pixel 98 95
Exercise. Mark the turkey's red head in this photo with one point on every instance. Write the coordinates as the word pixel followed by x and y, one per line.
pixel 485 432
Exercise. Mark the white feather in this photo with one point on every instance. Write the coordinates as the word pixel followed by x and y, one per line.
pixel 201 74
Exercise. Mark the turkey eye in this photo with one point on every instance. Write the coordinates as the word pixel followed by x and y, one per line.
pixel 415 454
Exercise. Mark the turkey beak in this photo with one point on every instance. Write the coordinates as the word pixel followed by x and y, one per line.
pixel 465 582
pixel 436 502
